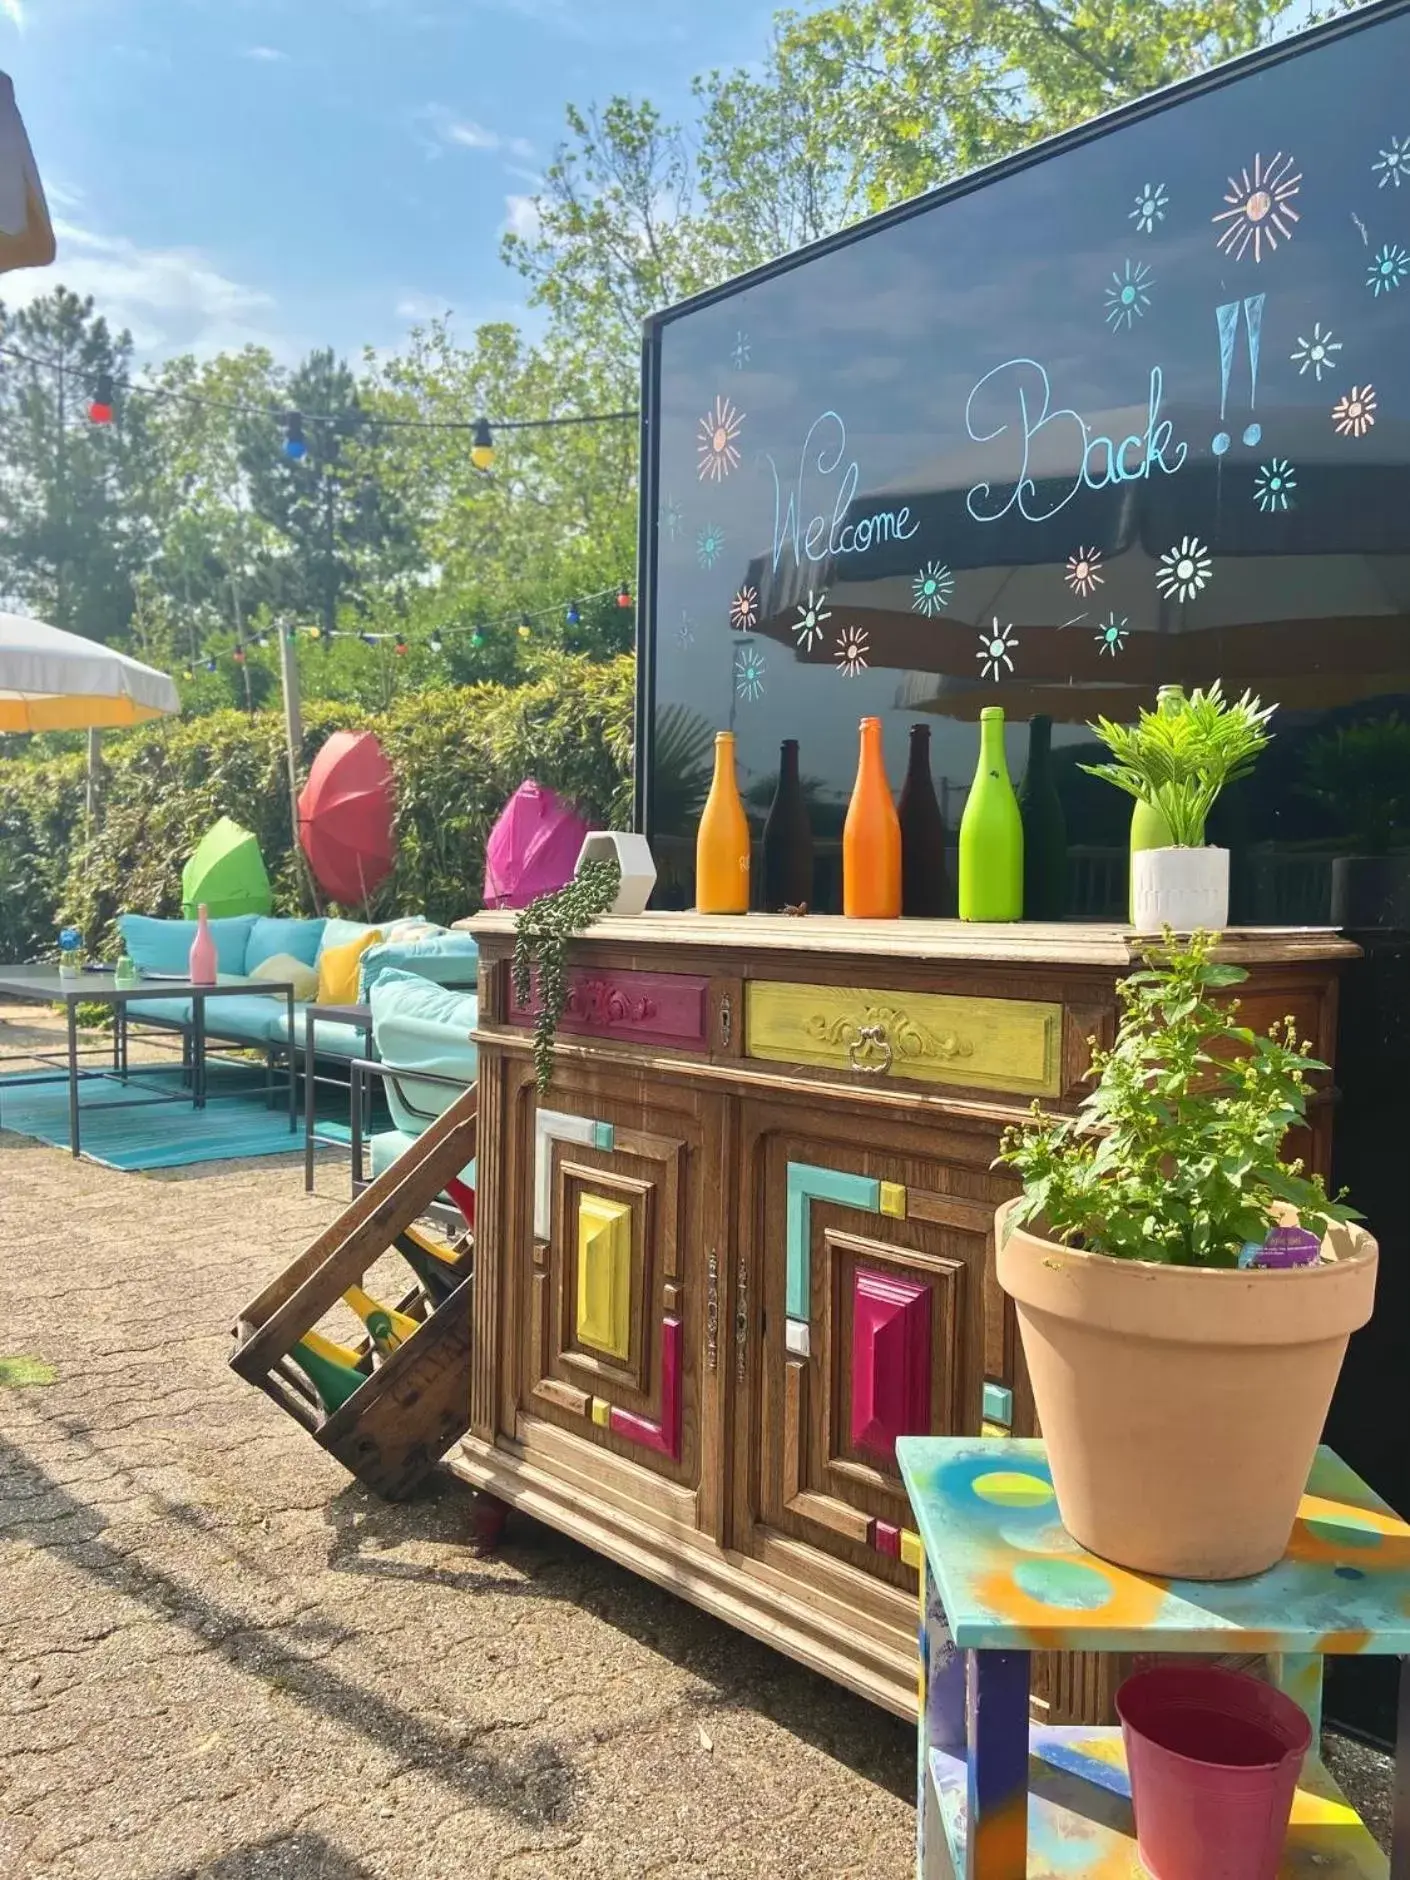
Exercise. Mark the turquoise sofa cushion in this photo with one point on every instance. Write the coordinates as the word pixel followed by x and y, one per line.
pixel 420 1026
pixel 339 933
pixel 388 1144
pixel 244 1017
pixel 446 958
pixel 301 938
pixel 160 1011
pixel 330 1039
pixel 164 946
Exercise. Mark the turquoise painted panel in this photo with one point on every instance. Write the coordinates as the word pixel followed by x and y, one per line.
pixel 807 1184
pixel 1080 1825
pixel 604 1136
pixel 1011 1577
pixel 998 1405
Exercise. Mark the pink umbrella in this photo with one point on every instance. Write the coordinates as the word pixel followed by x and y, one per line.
pixel 533 848
pixel 345 817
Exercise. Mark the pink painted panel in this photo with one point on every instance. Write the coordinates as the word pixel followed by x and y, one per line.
pixel 887 1539
pixel 890 1361
pixel 664 1437
pixel 649 1008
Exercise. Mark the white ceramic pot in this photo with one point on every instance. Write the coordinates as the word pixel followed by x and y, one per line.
pixel 1185 889
pixel 633 857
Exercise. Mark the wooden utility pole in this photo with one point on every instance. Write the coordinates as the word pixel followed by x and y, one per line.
pixel 293 745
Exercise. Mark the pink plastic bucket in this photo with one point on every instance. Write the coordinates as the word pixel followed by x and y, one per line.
pixel 1214 1760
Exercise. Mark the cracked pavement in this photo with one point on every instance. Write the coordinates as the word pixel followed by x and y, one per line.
pixel 221 1657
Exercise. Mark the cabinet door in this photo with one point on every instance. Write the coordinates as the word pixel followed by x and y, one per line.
pixel 614 1272
pixel 870 1326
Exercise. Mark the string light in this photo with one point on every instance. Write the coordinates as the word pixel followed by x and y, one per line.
pixel 401 647
pixel 482 444
pixel 210 665
pixel 624 595
pixel 526 627
pixel 435 642
pixel 574 614
pixel 261 639
pixel 100 407
pixel 368 639
pixel 477 638
pixel 295 443
pixel 239 655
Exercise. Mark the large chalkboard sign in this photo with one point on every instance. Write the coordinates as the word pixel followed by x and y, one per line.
pixel 1134 409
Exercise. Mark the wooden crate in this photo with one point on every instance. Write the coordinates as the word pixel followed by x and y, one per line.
pixel 415 1405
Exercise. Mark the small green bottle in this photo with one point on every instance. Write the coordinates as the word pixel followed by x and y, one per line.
pixel 991 833
pixel 1149 829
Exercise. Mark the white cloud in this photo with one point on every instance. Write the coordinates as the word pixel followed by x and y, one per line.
pixel 265 55
pixel 14 10
pixel 420 309
pixel 171 299
pixel 465 134
pixel 521 216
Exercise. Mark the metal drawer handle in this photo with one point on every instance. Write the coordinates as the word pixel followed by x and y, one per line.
pixel 712 1310
pixel 870 1051
pixel 741 1324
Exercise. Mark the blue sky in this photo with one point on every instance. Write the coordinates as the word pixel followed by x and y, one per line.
pixel 306 172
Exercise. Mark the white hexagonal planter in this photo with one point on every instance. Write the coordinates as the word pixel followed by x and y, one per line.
pixel 633 857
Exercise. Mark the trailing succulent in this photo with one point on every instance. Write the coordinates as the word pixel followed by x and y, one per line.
pixel 542 931
pixel 1176 1154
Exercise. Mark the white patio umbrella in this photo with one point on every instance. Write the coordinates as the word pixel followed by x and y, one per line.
pixel 56 681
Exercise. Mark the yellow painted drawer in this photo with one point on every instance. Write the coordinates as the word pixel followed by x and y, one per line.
pixel 997 1044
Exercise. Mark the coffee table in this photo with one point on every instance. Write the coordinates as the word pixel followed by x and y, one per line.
pixel 44 985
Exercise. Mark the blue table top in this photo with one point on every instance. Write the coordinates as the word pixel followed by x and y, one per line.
pixel 1011 1578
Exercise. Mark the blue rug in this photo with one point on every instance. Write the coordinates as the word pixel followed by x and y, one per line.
pixel 237 1121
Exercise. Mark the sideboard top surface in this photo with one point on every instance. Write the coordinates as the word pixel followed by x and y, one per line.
pixel 1040 942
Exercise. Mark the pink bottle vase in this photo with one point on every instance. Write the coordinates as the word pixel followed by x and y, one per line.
pixel 203 961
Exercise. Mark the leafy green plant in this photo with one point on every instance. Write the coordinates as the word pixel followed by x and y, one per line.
pixel 1176 1154
pixel 1361 773
pixel 542 931
pixel 1178 761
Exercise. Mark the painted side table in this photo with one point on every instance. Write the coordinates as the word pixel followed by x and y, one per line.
pixel 1000 1800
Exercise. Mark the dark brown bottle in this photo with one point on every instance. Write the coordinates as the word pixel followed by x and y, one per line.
pixel 925 882
pixel 788 840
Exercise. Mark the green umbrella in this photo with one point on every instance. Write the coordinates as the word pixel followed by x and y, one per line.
pixel 226 873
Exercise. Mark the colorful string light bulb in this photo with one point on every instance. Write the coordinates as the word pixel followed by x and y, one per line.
pixel 482 444
pixel 434 643
pixel 100 406
pixel 295 443
pixel 574 614
pixel 624 595
pixel 401 647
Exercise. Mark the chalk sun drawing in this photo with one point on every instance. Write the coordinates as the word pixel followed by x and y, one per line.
pixel 749 670
pixel 1111 635
pixel 1394 163
pixel 1127 298
pixel 744 609
pixel 1355 412
pixel 807 628
pixel 1151 204
pixel 995 645
pixel 1316 355
pixel 716 447
pixel 685 629
pixel 1274 485
pixel 1184 569
pixel 708 544
pixel 1388 270
pixel 1260 212
pixel 671 518
pixel 740 350
pixel 1084 571
pixel 851 654
pixel 932 588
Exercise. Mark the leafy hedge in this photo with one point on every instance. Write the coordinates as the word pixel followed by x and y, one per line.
pixel 457 753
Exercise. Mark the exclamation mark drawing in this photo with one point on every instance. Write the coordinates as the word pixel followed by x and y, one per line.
pixel 1228 319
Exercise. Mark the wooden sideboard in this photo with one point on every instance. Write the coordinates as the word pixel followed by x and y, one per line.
pixel 747 1241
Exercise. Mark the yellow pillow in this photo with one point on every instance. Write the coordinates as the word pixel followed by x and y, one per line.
pixel 337 969
pixel 284 968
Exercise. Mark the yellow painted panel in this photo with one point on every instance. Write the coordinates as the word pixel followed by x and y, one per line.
pixel 601 1411
pixel 893 1200
pixel 997 1044
pixel 605 1275
pixel 911 1550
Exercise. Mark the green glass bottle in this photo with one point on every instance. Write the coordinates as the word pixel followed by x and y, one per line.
pixel 1149 829
pixel 1044 829
pixel 991 833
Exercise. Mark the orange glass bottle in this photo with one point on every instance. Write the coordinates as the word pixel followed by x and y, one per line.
pixel 871 837
pixel 722 844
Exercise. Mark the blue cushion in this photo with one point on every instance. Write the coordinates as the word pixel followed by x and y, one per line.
pixel 420 1026
pixel 247 1017
pixel 330 1038
pixel 161 1011
pixel 301 938
pixel 164 946
pixel 388 1144
pixel 445 958
pixel 338 933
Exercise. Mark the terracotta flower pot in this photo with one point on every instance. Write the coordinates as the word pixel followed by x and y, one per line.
pixel 1182 1405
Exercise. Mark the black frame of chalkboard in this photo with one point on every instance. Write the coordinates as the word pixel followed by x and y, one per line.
pixel 1169 97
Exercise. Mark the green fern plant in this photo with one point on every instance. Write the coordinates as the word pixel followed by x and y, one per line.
pixel 1178 761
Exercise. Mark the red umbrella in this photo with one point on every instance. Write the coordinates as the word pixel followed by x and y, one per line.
pixel 345 817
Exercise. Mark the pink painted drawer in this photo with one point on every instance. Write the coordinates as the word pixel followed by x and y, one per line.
pixel 668 1009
